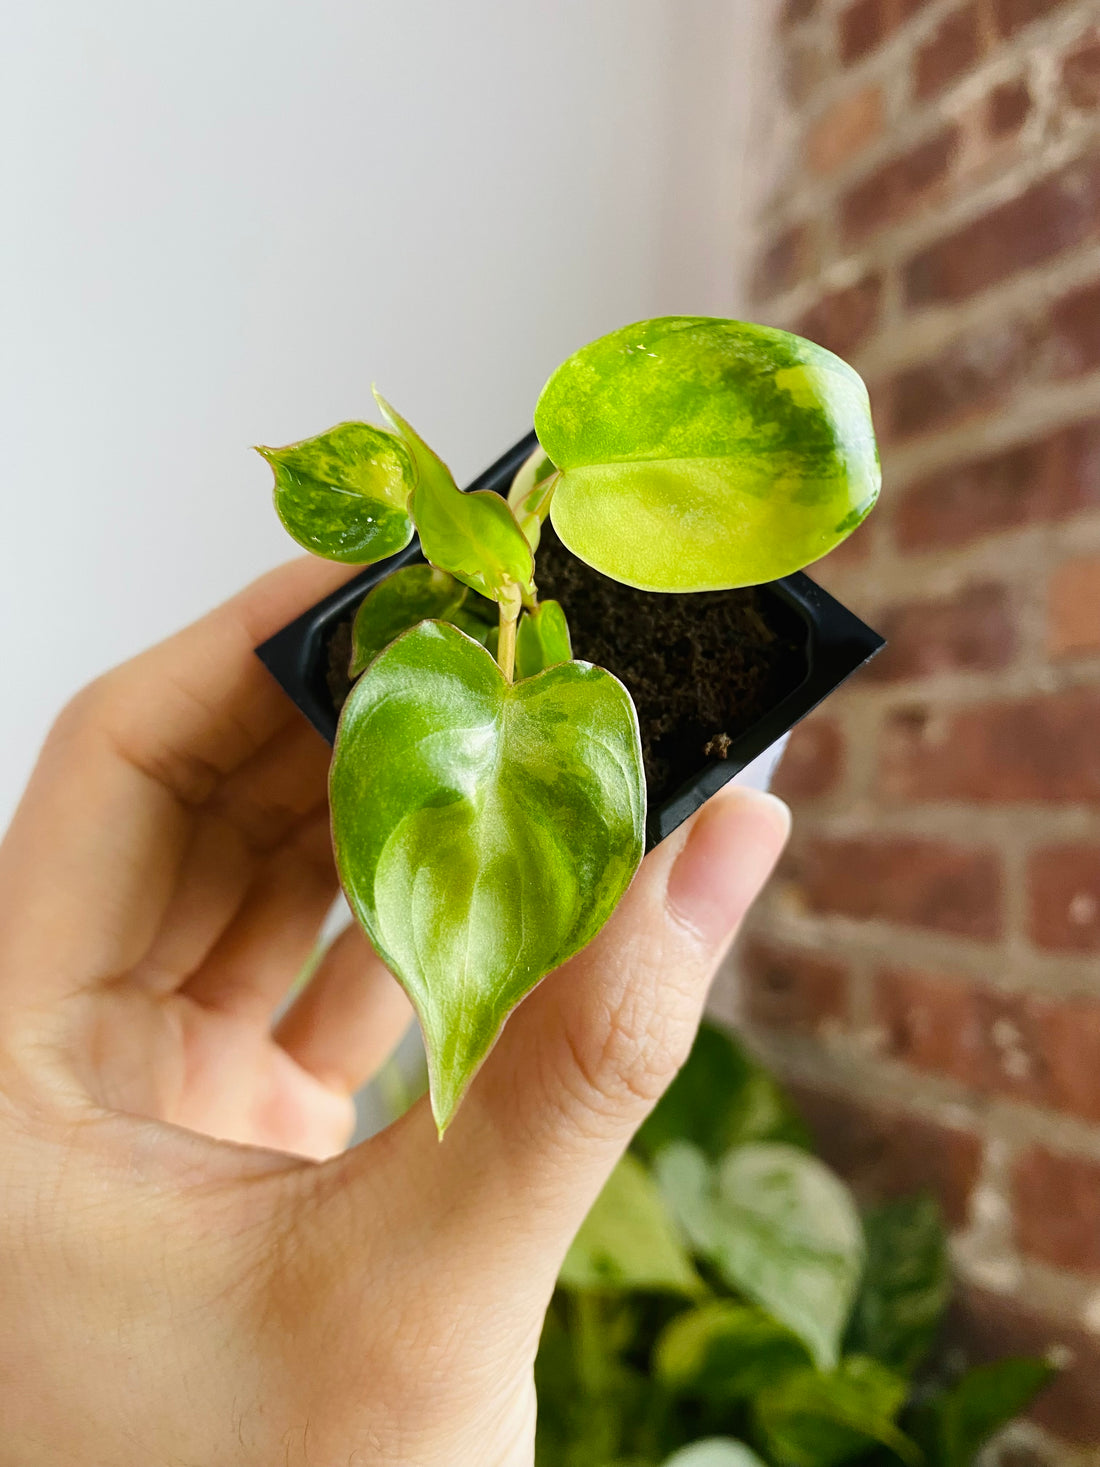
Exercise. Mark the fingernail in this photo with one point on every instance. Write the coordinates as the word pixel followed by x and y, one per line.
pixel 734 843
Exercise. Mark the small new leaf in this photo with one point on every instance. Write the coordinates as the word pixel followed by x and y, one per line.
pixel 344 494
pixel 627 1241
pixel 542 639
pixel 813 1419
pixel 473 536
pixel 986 1399
pixel 484 830
pixel 413 594
pixel 530 495
pixel 697 454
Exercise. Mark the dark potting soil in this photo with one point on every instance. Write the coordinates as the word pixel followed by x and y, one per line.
pixel 701 668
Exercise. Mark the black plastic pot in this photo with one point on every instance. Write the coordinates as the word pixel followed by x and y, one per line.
pixel 837 643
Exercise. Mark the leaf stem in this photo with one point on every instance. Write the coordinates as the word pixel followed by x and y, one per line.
pixel 506 644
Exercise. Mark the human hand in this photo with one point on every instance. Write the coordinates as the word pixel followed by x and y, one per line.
pixel 185 1282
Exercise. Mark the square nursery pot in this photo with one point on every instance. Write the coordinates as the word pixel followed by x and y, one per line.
pixel 719 677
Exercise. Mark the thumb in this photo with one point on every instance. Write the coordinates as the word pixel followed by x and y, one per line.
pixel 585 1058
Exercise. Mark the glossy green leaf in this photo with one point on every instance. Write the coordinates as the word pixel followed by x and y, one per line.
pixel 715 1451
pixel 628 1241
pixel 697 454
pixel 989 1397
pixel 720 1099
pixel 725 1351
pixel 473 536
pixel 345 493
pixel 811 1419
pixel 484 831
pixel 779 1227
pixel 412 594
pixel 906 1283
pixel 530 495
pixel 542 639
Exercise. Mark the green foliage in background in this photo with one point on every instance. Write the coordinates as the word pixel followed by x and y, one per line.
pixel 724 1305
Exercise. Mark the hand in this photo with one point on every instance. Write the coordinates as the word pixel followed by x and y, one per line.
pixel 182 1284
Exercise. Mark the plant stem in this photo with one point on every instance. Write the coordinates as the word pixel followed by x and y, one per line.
pixel 506 646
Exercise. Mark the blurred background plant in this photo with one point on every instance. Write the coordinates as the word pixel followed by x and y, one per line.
pixel 725 1304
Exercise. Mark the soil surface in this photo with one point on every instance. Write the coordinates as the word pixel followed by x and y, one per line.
pixel 701 668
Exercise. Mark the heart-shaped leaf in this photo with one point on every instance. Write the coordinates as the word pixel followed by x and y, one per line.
pixel 698 454
pixel 412 594
pixel 530 495
pixel 724 1351
pixel 627 1241
pixel 957 1424
pixel 813 1419
pixel 542 639
pixel 484 831
pixel 473 536
pixel 779 1227
pixel 345 493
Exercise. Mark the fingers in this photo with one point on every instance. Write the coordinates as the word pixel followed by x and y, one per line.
pixel 349 1018
pixel 582 1062
pixel 94 850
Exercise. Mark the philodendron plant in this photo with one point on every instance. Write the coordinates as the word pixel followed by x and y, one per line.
pixel 487 790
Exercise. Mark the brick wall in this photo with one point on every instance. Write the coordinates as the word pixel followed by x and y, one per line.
pixel 927 968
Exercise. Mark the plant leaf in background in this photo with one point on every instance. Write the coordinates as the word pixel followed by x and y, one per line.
pixel 627 1241
pixel 906 1284
pixel 484 831
pixel 473 536
pixel 725 1351
pixel 715 1451
pixel 720 1099
pixel 542 639
pixel 410 595
pixel 955 1427
pixel 698 454
pixel 779 1227
pixel 530 494
pixel 344 494
pixel 813 1419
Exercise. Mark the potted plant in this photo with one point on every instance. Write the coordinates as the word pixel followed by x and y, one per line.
pixel 725 1304
pixel 491 792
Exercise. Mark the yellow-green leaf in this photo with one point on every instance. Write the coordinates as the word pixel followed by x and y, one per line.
pixel 484 830
pixel 412 594
pixel 530 495
pixel 345 493
pixel 542 639
pixel 697 454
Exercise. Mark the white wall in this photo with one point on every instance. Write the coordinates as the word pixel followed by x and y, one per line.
pixel 223 219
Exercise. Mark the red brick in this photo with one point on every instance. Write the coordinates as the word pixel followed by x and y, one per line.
pixel 1064 900
pixel 786 260
pixel 814 760
pixel 1073 617
pixel 1011 16
pixel 1081 73
pixel 803 69
pixel 1008 106
pixel 888 1154
pixel 989 1326
pixel 969 376
pixel 1074 337
pixel 1057 1207
pixel 1044 748
pixel 845 129
pixel 786 989
pixel 796 11
pixel 952 49
pixel 974 630
pixel 865 24
pixel 893 191
pixel 1032 483
pixel 843 319
pixel 911 881
pixel 1038 1050
pixel 1054 215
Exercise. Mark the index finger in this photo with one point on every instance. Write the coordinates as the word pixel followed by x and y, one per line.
pixel 89 861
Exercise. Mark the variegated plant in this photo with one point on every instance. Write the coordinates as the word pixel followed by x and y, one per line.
pixel 487 791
